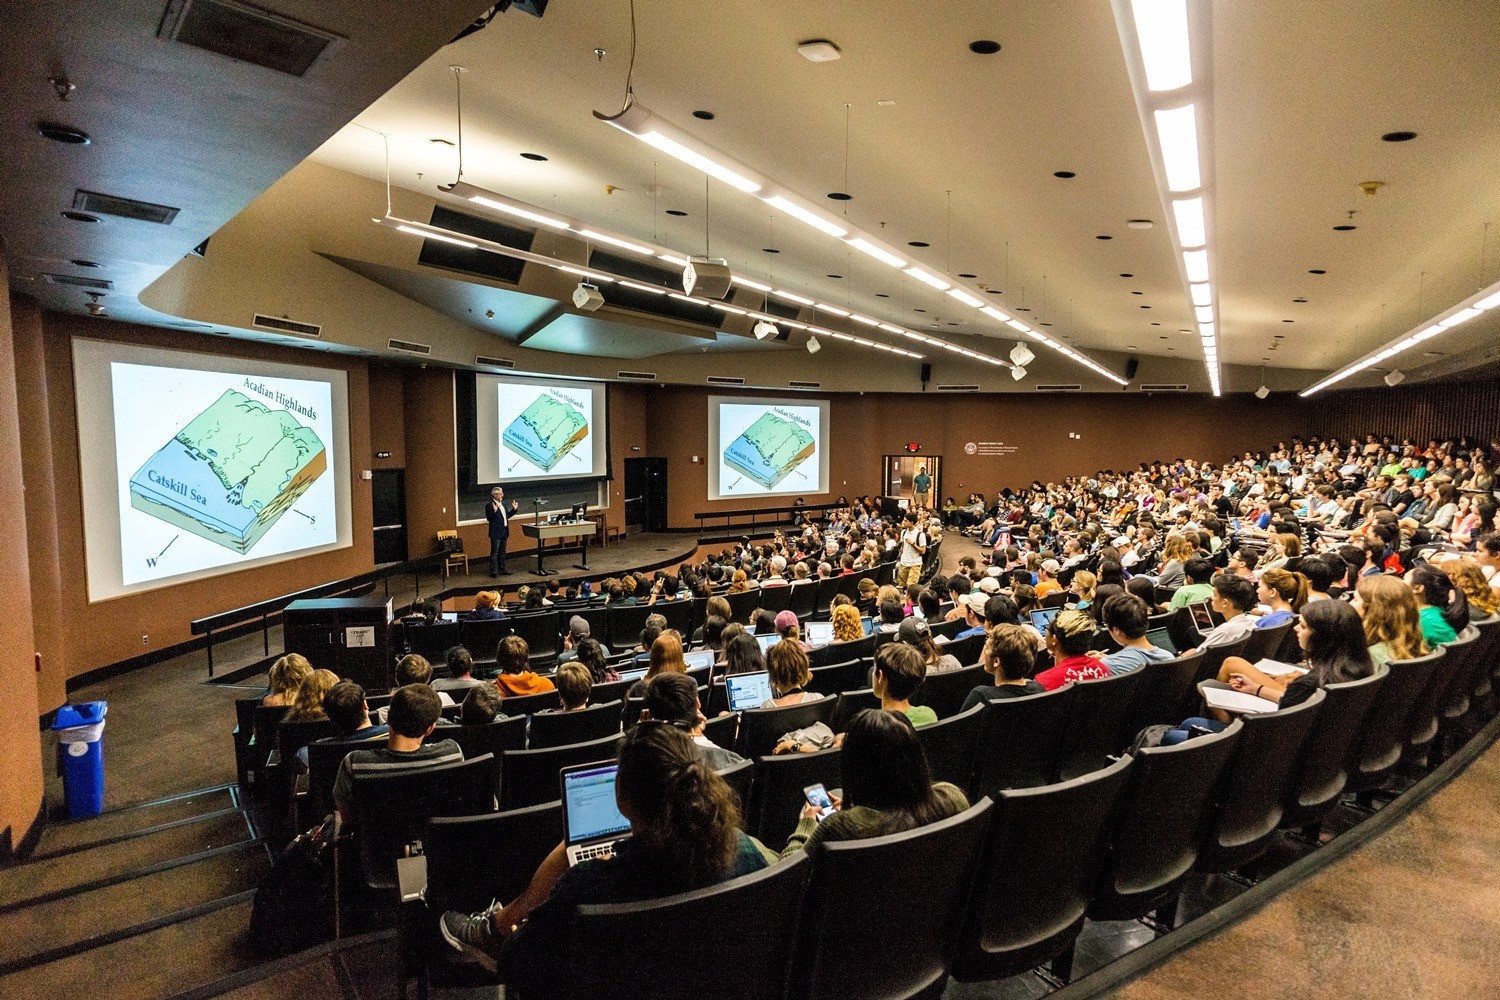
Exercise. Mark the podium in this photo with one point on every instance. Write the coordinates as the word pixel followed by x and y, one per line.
pixel 561 530
pixel 349 635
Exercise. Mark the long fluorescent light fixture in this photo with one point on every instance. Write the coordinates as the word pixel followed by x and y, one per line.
pixel 1177 133
pixel 500 203
pixel 1475 305
pixel 594 234
pixel 928 279
pixel 884 256
pixel 813 219
pixel 1162 28
pixel 637 121
pixel 440 237
pixel 1192 229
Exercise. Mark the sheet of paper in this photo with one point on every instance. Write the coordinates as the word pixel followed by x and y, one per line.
pixel 1275 668
pixel 1236 701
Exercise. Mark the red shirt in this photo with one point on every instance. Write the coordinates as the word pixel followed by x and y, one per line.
pixel 1074 668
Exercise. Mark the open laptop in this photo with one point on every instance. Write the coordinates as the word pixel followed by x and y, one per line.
pixel 633 675
pixel 746 691
pixel 819 633
pixel 699 658
pixel 767 641
pixel 1203 615
pixel 1162 639
pixel 1043 618
pixel 592 822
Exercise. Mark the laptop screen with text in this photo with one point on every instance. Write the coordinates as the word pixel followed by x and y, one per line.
pixel 589 803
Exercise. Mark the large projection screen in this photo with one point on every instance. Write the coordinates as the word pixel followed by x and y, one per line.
pixel 766 447
pixel 195 465
pixel 539 429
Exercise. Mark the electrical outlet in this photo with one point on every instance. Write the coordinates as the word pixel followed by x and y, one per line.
pixel 145 640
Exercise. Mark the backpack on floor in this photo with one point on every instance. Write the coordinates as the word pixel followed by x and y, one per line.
pixel 293 907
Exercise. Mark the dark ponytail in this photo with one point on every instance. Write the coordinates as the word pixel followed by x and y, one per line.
pixel 1438 591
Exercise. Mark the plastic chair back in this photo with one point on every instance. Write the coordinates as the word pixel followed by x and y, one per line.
pixel 391 809
pixel 1020 742
pixel 555 729
pixel 473 860
pixel 1098 723
pixel 529 777
pixel 950 745
pixel 761 729
pixel 776 798
pixel 1324 767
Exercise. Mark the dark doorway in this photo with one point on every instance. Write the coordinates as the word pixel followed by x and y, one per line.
pixel 388 500
pixel 645 494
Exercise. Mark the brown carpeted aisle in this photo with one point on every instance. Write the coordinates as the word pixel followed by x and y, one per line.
pixel 1413 914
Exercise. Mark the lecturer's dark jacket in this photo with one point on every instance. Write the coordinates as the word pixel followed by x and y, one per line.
pixel 499 518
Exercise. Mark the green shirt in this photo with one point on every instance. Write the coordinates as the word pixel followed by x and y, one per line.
pixel 1192 594
pixel 1380 653
pixel 920 715
pixel 1435 628
pixel 862 822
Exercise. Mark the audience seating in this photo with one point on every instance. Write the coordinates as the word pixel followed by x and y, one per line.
pixel 323 760
pixel 1020 742
pixel 1038 869
pixel 776 598
pixel 1208 669
pixel 742 605
pixel 944 692
pixel 607 962
pixel 497 737
pixel 1056 599
pixel 1459 696
pixel 887 957
pixel 843 652
pixel 625 623
pixel 609 691
pixel 965 651
pixel 530 704
pixel 1260 773
pixel 431 641
pixel 474 860
pixel 1164 686
pixel 555 729
pixel 482 637
pixel 776 798
pixel 1324 771
pixel 679 615
pixel 851 703
pixel 761 729
pixel 1165 816
pixel 1182 630
pixel 529 777
pixel 1266 643
pixel 391 809
pixel 720 730
pixel 839 677
pixel 540 630
pixel 950 745
pixel 244 731
pixel 946 630
pixel 1097 726
pixel 1451 675
pixel 740 777
pixel 1378 751
pixel 803 599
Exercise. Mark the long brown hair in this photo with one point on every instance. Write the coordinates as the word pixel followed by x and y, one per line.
pixel 309 704
pixel 1468 577
pixel 686 818
pixel 1391 616
pixel 666 655
pixel 1290 587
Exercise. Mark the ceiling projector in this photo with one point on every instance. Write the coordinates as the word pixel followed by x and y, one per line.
pixel 706 276
pixel 587 297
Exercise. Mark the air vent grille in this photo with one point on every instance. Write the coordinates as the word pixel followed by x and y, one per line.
pixel 407 347
pixel 99 284
pixel 725 380
pixel 1163 387
pixel 283 325
pixel 1058 388
pixel 246 33
pixel 958 388
pixel 637 376
pixel 124 208
pixel 486 362
pixel 805 385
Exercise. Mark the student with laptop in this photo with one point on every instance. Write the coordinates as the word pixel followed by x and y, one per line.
pixel 1125 616
pixel 685 833
pixel 673 699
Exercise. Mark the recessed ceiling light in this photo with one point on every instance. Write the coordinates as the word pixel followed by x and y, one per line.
pixel 917 243
pixel 63 133
pixel 919 310
pixel 1171 348
pixel 1278 336
pixel 984 47
pixel 769 250
pixel 1145 307
pixel 840 196
pixel 1162 337
pixel 994 291
pixel 1066 175
pixel 1156 324
pixel 1125 275
pixel 1137 293
pixel 80 216
pixel 1344 229
pixel 676 211
pixel 1131 347
pixel 968 275
pixel 1398 136
pixel 1286 321
pixel 1317 270
pixel 707 116
pixel 818 50
pixel 1024 309
pixel 1139 224
pixel 881 295
pixel 79 262
pixel 538 157
pixel 1103 237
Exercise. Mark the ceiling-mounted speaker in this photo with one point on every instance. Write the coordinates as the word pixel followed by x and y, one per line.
pixel 1130 368
pixel 1395 377
pixel 926 373
pixel 708 277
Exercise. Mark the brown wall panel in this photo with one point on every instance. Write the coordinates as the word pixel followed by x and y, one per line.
pixel 1422 412
pixel 387 418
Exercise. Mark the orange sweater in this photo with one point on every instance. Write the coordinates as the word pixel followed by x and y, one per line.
pixel 526 682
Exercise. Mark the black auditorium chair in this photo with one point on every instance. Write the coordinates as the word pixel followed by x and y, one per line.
pixel 540 630
pixel 851 703
pixel 739 777
pixel 1266 643
pixel 1023 913
pixel 1020 742
pixel 1208 669
pixel 530 704
pixel 836 678
pixel 679 616
pixel 1056 599
pixel 597 615
pixel 1323 770
pixel 391 809
pixel 944 692
pixel 761 729
pixel 823 597
pixel 1377 752
pixel 290 738
pixel 946 630
pixel 1098 723
pixel 700 675
pixel 267 721
pixel 1163 821
pixel 776 598
pixel 951 744
pixel 720 729
pixel 609 691
pixel 742 604
pixel 625 624
pixel 1452 674
pixel 431 641
pixel 803 599
pixel 482 637
pixel 607 960
pixel 1260 774
pixel 529 777
pixel 1458 696
pixel 965 651
pixel 1183 630
pixel 776 797
pixel 849 585
pixel 840 955
pixel 244 729
pixel 854 649
pixel 323 760
pixel 475 860
pixel 494 737
pixel 1164 687
pixel 555 729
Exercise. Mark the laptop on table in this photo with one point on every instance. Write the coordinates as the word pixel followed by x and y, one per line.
pixel 1043 618
pixel 746 691
pixel 592 822
pixel 767 641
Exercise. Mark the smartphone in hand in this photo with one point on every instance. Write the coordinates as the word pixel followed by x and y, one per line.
pixel 817 797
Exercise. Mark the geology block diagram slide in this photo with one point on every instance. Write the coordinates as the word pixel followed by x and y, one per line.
pixel 547 431
pixel 231 472
pixel 770 449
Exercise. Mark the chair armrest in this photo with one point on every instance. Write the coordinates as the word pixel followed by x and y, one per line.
pixel 411 878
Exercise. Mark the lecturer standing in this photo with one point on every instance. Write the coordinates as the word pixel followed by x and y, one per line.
pixel 498 514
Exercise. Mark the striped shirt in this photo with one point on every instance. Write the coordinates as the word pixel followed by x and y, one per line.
pixel 384 760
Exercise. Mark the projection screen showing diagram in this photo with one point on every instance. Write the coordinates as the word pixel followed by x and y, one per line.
pixel 770 447
pixel 546 431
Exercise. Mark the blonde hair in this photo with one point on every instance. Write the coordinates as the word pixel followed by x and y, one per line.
pixel 1468 577
pixel 486 599
pixel 1012 652
pixel 1391 616
pixel 1178 547
pixel 889 593
pixel 1085 582
pixel 288 673
pixel 666 655
pixel 574 684
pixel 309 704
pixel 846 626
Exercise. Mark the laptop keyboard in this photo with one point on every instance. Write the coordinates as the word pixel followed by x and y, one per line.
pixel 594 851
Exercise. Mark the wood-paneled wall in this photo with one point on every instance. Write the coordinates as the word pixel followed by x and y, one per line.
pixel 1421 412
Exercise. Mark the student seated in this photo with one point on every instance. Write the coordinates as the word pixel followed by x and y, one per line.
pixel 308 706
pixel 1333 639
pixel 1069 638
pixel 414 669
pixel 899 670
pixel 574 685
pixel 915 633
pixel 516 677
pixel 1125 616
pixel 286 676
pixel 1284 593
pixel 413 716
pixel 790 671
pixel 887 786
pixel 481 706
pixel 1199 573
pixel 344 704
pixel 460 673
pixel 1008 656
pixel 1233 598
pixel 486 607
pixel 673 699
pixel 685 833
pixel 665 658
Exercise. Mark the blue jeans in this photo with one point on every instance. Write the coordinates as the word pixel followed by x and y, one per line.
pixel 1183 732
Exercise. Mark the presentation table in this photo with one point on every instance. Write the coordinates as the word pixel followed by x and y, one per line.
pixel 561 530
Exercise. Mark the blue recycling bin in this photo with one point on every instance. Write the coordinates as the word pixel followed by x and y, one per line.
pixel 80 756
